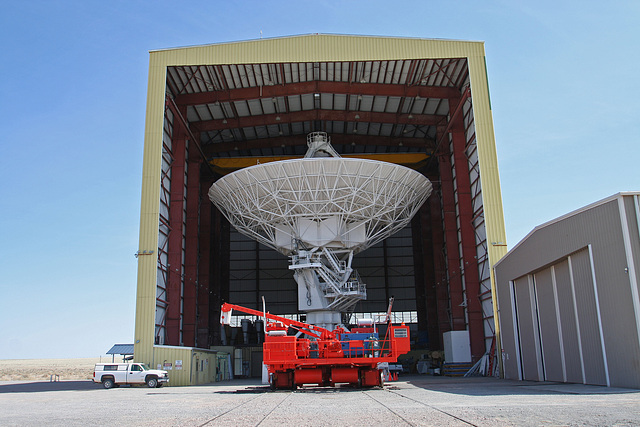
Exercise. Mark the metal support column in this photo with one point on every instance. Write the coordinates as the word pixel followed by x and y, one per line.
pixel 467 231
pixel 176 222
pixel 439 262
pixel 454 270
pixel 426 300
pixel 219 283
pixel 204 267
pixel 191 250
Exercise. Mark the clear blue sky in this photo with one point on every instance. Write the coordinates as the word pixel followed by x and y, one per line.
pixel 73 81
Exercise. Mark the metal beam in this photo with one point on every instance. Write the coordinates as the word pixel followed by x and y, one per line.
pixel 299 140
pixel 204 266
pixel 176 218
pixel 453 113
pixel 224 165
pixel 189 325
pixel 454 271
pixel 219 279
pixel 180 113
pixel 374 89
pixel 424 278
pixel 439 262
pixel 321 115
pixel 467 234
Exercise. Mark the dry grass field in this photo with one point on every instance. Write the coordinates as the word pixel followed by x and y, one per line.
pixel 42 369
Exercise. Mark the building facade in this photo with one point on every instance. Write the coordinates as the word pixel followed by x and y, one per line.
pixel 214 109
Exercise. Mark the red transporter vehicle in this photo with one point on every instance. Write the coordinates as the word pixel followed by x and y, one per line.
pixel 326 358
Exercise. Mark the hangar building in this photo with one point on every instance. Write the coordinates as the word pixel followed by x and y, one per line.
pixel 217 108
pixel 569 297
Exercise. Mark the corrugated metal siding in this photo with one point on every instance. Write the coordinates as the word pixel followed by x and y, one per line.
pixel 588 318
pixel 548 322
pixel 633 217
pixel 321 48
pixel 619 318
pixel 527 328
pixel 632 208
pixel 570 339
pixel 149 211
pixel 504 299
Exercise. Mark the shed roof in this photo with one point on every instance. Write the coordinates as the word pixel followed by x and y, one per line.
pixel 123 349
pixel 568 215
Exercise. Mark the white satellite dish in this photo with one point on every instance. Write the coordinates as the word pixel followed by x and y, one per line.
pixel 321 210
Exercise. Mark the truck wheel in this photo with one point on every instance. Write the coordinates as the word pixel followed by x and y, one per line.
pixel 272 381
pixel 107 383
pixel 152 382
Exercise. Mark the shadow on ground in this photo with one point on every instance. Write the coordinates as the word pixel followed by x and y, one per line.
pixel 39 387
pixel 490 386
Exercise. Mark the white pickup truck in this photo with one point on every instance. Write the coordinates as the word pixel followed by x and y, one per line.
pixel 116 374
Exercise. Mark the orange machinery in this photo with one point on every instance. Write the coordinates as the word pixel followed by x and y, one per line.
pixel 325 358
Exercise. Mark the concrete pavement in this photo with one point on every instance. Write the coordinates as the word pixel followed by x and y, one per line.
pixel 412 401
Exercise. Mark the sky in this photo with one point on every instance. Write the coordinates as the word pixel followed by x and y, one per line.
pixel 73 83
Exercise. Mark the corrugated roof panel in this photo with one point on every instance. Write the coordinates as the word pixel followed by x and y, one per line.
pixel 374 128
pixel 250 133
pixel 392 104
pixel 273 131
pixel 242 108
pixel 123 349
pixel 379 103
pixel 254 106
pixel 340 102
pixel 203 112
pixel 307 102
pixel 295 103
pixel 297 128
pixel 326 101
pixel 366 103
pixel 268 105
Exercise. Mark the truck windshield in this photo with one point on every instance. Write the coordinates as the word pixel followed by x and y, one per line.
pixel 144 366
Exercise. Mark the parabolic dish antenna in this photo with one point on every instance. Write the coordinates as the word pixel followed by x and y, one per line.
pixel 320 210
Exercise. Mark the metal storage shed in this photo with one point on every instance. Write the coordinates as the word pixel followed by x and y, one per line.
pixel 568 297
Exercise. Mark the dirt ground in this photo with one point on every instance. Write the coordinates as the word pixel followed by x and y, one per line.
pixel 43 369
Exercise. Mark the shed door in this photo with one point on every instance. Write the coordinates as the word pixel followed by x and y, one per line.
pixel 589 329
pixel 552 353
pixel 527 323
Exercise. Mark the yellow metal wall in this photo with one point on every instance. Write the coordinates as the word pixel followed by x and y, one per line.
pixel 310 48
pixel 198 366
pixel 150 210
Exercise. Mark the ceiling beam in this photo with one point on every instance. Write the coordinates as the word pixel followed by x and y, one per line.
pixel 225 165
pixel 322 115
pixel 300 140
pixel 256 92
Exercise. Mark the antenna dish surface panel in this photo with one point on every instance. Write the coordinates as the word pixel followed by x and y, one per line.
pixel 331 202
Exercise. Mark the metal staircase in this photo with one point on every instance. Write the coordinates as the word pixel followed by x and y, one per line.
pixel 339 283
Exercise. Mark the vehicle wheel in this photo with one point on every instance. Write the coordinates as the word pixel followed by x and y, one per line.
pixel 272 381
pixel 292 380
pixel 152 382
pixel 107 383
